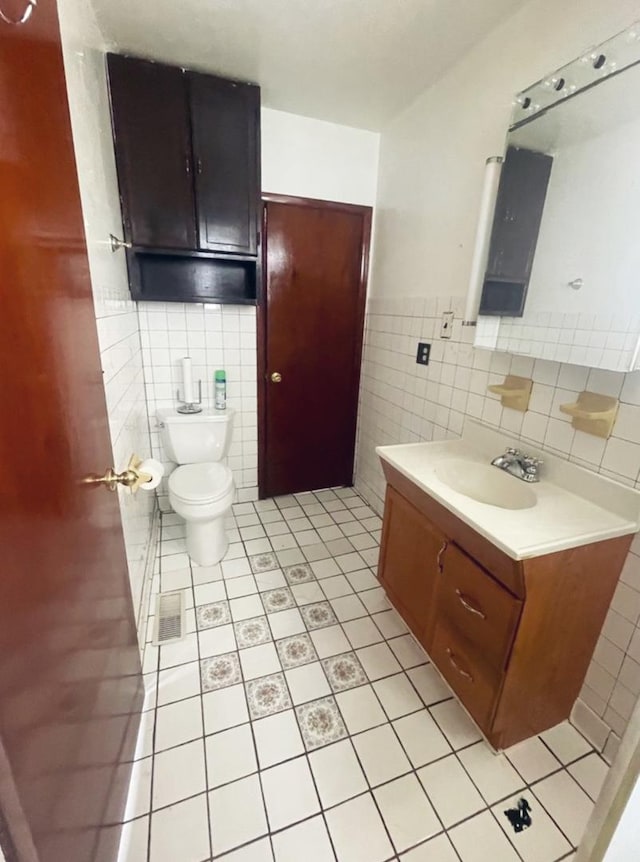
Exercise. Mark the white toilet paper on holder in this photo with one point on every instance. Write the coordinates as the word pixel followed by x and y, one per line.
pixel 154 469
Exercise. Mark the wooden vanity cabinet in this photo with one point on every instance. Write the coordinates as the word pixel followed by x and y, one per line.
pixel 513 638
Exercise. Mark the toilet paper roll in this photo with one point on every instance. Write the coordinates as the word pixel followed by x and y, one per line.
pixel 154 469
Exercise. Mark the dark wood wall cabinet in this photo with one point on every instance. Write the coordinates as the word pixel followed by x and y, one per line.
pixel 188 158
pixel 513 638
pixel 514 236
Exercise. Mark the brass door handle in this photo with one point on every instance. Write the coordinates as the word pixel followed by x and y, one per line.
pixel 130 478
pixel 276 377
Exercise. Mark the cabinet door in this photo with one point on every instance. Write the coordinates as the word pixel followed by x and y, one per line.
pixel 150 115
pixel 478 607
pixel 477 685
pixel 409 562
pixel 519 206
pixel 225 123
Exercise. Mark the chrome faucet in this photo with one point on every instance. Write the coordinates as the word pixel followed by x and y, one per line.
pixel 524 467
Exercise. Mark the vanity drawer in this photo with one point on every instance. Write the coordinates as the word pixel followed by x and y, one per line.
pixel 475 605
pixel 476 685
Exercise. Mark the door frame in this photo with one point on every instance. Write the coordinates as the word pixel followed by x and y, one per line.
pixel 261 312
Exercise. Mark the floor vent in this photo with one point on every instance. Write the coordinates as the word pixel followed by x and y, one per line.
pixel 169 626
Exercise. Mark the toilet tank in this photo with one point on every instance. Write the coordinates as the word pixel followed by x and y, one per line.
pixel 195 438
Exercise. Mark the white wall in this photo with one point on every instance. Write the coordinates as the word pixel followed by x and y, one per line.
pixel 431 169
pixel 432 155
pixel 314 159
pixel 116 314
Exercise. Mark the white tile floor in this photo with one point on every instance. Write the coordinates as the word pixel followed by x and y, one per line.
pixel 299 720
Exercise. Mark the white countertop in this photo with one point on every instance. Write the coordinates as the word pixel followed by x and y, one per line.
pixel 574 506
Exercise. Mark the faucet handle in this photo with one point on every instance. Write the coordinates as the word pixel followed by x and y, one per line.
pixel 511 451
pixel 531 465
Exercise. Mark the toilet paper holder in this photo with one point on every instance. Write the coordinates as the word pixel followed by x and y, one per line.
pixel 131 477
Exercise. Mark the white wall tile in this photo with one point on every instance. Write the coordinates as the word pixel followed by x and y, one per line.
pixel 116 318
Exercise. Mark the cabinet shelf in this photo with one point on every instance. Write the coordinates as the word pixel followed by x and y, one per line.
pixel 170 277
pixel 182 252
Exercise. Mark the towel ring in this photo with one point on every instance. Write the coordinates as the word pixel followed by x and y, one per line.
pixel 31 4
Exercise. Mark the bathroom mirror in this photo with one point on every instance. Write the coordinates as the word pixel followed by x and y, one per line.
pixel 563 272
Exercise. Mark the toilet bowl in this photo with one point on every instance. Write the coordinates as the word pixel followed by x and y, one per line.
pixel 202 494
pixel 201 488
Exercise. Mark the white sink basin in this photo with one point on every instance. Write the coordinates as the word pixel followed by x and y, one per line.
pixel 486 484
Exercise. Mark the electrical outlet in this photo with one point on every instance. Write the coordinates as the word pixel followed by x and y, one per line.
pixel 422 356
pixel 447 324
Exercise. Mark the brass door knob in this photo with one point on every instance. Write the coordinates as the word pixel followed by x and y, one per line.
pixel 130 478
pixel 276 377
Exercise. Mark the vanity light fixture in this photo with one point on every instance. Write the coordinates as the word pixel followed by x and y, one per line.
pixel 492 170
pixel 599 61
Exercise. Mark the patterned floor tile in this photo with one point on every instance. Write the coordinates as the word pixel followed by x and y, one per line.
pixel 220 671
pixel 344 671
pixel 252 632
pixel 320 722
pixel 318 615
pixel 215 614
pixel 267 695
pixel 278 600
pixel 296 650
pixel 263 562
pixel 298 574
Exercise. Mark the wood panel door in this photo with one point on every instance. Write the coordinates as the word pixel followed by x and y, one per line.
pixel 151 128
pixel 70 682
pixel 310 342
pixel 225 118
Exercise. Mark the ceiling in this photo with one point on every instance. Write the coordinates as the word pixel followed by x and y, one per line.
pixel 356 62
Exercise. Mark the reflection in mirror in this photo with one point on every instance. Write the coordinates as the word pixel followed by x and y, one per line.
pixel 564 260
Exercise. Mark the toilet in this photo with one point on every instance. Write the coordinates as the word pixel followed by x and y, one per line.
pixel 201 489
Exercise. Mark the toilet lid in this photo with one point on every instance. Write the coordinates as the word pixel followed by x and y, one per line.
pixel 201 483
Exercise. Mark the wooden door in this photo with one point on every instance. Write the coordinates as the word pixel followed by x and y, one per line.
pixel 310 331
pixel 410 560
pixel 150 116
pixel 70 682
pixel 225 118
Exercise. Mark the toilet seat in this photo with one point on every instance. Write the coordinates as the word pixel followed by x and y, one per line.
pixel 201 483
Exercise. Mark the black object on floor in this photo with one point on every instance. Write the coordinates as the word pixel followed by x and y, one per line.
pixel 519 817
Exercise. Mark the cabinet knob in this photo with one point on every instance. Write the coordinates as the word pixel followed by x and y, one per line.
pixel 276 377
